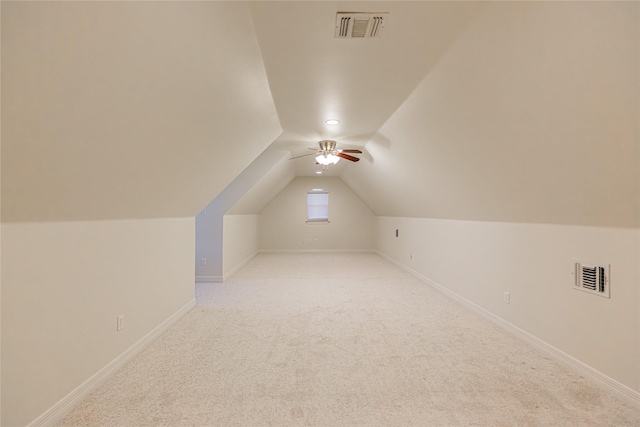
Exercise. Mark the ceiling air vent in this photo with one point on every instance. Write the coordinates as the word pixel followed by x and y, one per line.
pixel 592 278
pixel 359 25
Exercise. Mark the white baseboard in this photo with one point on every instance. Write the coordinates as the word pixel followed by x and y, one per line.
pixel 608 384
pixel 239 266
pixel 317 251
pixel 209 279
pixel 58 411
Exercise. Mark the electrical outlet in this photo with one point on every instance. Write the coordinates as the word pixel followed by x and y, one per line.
pixel 203 261
pixel 507 298
pixel 120 322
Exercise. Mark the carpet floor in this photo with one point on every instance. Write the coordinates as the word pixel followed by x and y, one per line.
pixel 340 340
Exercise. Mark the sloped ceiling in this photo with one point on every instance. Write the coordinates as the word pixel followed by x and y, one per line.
pixel 267 188
pixel 128 109
pixel 533 116
pixel 314 76
pixel 256 181
pixel 494 111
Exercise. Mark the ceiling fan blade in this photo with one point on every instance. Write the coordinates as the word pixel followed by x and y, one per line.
pixel 348 157
pixel 304 155
pixel 351 151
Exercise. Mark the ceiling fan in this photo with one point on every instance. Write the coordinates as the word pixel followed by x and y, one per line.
pixel 328 153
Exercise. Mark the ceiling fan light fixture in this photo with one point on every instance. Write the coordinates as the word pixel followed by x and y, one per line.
pixel 327 159
pixel 332 121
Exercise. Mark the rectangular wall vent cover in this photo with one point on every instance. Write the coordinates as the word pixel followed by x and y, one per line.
pixel 360 25
pixel 592 278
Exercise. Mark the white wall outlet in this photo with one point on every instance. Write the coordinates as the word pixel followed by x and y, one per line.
pixel 506 297
pixel 120 322
pixel 203 261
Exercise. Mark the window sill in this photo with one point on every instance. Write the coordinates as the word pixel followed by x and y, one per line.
pixel 317 222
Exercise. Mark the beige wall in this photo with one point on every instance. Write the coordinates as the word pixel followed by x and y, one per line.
pixel 64 283
pixel 240 237
pixel 282 224
pixel 534 263
pixel 247 194
pixel 209 244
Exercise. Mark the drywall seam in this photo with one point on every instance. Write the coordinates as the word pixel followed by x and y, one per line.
pixel 209 279
pixel 239 266
pixel 71 400
pixel 596 377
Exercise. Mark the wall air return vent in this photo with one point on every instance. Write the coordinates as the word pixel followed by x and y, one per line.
pixel 592 278
pixel 359 25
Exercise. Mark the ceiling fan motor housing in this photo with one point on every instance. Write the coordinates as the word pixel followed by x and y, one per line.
pixel 327 145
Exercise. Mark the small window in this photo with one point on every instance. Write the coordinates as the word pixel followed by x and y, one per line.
pixel 317 205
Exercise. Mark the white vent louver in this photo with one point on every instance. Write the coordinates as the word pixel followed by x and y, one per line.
pixel 359 25
pixel 592 278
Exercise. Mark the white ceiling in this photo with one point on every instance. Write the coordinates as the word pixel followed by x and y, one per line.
pixel 496 111
pixel 361 82
pixel 531 116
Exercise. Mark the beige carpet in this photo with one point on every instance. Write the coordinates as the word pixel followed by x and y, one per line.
pixel 340 340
